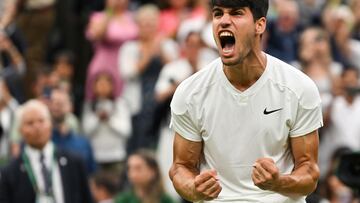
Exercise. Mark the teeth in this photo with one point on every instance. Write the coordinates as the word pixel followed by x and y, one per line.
pixel 226 34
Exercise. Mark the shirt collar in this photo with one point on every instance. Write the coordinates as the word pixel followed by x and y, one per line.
pixel 34 154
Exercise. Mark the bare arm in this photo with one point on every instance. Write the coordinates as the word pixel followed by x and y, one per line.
pixel 9 13
pixel 97 28
pixel 304 177
pixel 185 174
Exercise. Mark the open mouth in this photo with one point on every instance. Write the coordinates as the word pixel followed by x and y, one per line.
pixel 227 41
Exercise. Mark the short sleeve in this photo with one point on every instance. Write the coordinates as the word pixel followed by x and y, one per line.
pixel 308 115
pixel 182 117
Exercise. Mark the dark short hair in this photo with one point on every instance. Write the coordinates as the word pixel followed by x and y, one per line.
pixel 258 8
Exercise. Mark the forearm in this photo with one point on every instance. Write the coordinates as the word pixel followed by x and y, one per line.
pixel 302 181
pixel 15 56
pixel 183 180
pixel 9 15
pixel 98 30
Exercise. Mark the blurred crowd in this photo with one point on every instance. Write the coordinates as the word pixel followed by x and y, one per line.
pixel 106 71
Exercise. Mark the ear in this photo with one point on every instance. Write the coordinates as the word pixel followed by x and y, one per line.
pixel 260 25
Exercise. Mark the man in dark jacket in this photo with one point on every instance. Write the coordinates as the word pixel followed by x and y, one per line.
pixel 42 173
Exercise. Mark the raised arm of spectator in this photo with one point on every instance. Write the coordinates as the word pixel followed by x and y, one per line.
pixel 15 56
pixel 98 25
pixel 120 120
pixel 10 12
pixel 90 120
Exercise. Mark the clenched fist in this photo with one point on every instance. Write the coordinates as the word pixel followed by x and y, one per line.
pixel 207 185
pixel 265 174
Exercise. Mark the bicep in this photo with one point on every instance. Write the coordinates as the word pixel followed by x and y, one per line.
pixel 187 153
pixel 305 149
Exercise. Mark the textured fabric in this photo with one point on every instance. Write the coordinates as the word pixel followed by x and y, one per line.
pixel 238 127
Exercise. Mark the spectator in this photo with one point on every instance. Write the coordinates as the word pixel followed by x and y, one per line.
pixel 282 34
pixel 170 77
pixel 339 22
pixel 12 66
pixel 107 123
pixel 140 65
pixel 108 30
pixel 42 172
pixel 35 19
pixel 316 61
pixel 8 106
pixel 344 119
pixel 65 129
pixel 64 69
pixel 355 6
pixel 171 17
pixel 104 187
pixel 145 179
pixel 335 190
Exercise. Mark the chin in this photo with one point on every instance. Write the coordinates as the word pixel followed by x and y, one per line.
pixel 230 61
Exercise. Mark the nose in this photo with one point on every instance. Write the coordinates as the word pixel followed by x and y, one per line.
pixel 225 20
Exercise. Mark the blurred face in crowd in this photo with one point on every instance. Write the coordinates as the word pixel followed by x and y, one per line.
pixel 103 86
pixel 350 78
pixel 288 15
pixel 314 44
pixel 64 69
pixel 117 4
pixel 193 45
pixel 35 124
pixel 139 173
pixel 59 106
pixel 148 22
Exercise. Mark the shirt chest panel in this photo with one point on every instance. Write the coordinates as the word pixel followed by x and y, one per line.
pixel 244 128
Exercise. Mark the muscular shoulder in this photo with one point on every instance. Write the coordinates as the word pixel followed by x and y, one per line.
pixel 300 85
pixel 195 84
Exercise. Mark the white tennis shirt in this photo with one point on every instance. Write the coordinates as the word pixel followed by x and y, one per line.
pixel 239 127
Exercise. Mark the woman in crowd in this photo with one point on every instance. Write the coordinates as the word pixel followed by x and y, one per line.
pixel 144 177
pixel 106 121
pixel 108 30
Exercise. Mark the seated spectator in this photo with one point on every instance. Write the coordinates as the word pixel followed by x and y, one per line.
pixel 8 106
pixel 42 173
pixel 106 122
pixel 65 129
pixel 145 179
pixel 104 187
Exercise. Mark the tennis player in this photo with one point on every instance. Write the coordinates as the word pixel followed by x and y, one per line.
pixel 247 124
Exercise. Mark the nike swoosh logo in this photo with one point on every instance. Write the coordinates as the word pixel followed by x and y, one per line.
pixel 269 112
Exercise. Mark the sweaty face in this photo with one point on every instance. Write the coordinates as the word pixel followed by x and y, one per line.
pixel 234 33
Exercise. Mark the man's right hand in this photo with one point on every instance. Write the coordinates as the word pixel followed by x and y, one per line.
pixel 207 186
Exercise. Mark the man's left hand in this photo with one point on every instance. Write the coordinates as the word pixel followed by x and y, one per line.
pixel 265 174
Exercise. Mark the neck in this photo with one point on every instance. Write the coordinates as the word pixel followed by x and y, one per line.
pixel 139 191
pixel 349 99
pixel 246 73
